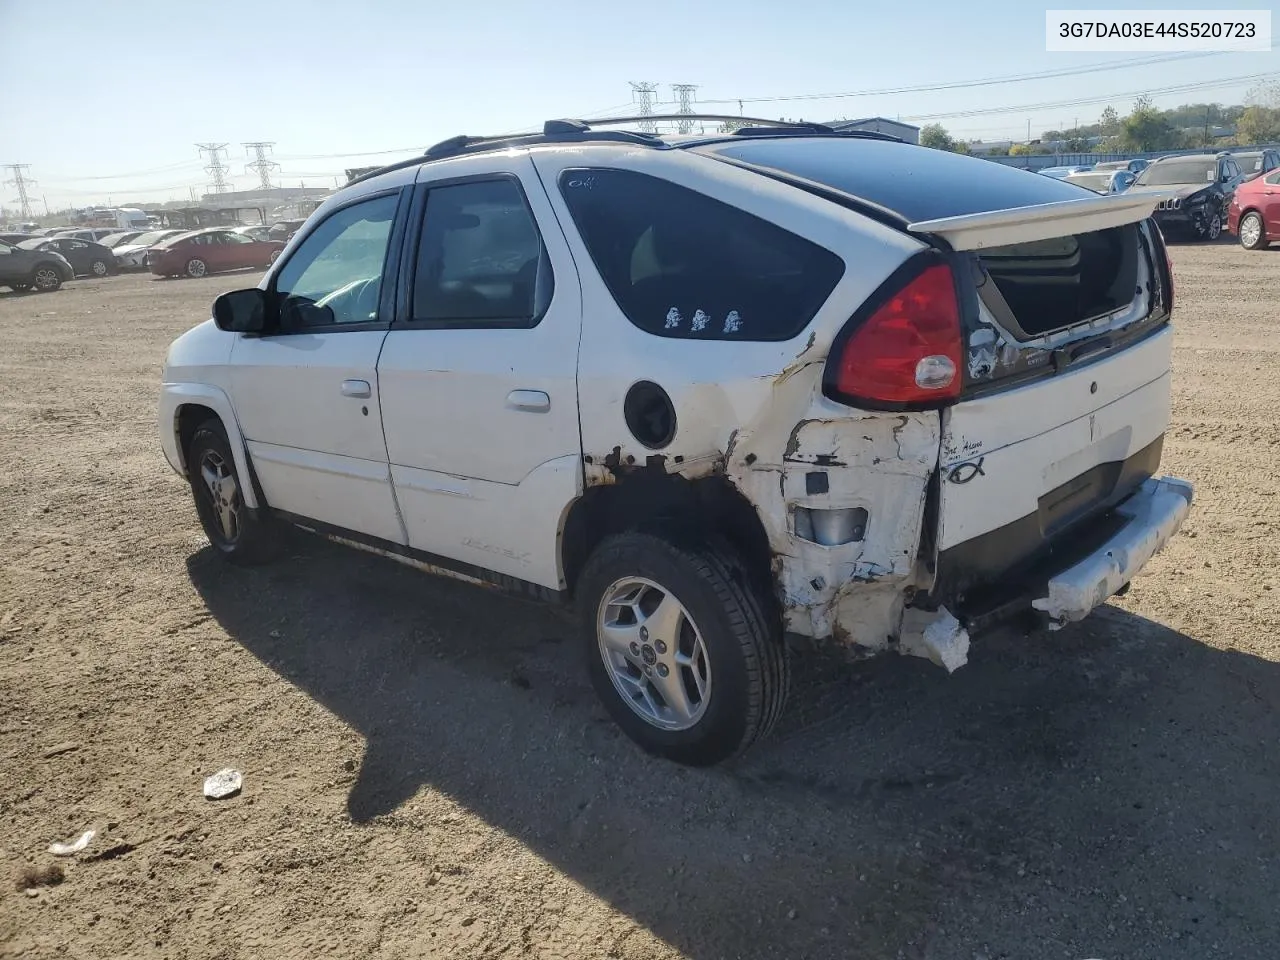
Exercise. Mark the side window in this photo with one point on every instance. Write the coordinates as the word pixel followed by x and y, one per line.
pixel 1229 170
pixel 78 245
pixel 680 264
pixel 237 238
pixel 1274 178
pixel 335 276
pixel 481 260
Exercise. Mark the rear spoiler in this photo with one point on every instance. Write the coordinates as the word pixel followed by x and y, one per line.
pixel 997 228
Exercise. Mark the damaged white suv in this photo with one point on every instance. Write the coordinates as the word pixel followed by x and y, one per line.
pixel 715 390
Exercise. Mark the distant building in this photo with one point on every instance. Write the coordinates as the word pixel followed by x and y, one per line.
pixel 894 128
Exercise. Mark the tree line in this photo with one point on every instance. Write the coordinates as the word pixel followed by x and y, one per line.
pixel 1146 128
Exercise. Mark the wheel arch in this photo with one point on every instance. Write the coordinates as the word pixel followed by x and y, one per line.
pixel 191 404
pixel 651 500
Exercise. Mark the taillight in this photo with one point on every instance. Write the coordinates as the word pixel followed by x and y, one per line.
pixel 908 352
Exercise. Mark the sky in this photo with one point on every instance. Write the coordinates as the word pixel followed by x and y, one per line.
pixel 106 100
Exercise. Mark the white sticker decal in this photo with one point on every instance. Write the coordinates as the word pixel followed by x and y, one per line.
pixel 733 322
pixel 673 319
pixel 700 321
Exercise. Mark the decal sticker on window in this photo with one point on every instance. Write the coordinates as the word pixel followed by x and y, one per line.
pixel 733 322
pixel 673 319
pixel 982 353
pixel 700 321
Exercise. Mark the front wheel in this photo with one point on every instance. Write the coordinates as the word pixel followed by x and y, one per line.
pixel 680 651
pixel 1213 229
pixel 46 279
pixel 233 530
pixel 196 267
pixel 1252 234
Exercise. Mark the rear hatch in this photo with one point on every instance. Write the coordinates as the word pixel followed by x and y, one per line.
pixel 1064 298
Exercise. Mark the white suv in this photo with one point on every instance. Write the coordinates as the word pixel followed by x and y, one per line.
pixel 716 390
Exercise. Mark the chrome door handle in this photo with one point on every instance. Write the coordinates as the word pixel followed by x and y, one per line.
pixel 359 389
pixel 528 401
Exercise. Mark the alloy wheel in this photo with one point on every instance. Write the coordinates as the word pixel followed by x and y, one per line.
pixel 222 494
pixel 654 653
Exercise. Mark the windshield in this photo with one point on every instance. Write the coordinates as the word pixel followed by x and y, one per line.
pixel 1094 181
pixel 173 238
pixel 1249 162
pixel 1179 171
pixel 35 244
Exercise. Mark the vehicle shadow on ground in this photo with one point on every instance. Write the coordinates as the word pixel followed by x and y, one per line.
pixel 1104 791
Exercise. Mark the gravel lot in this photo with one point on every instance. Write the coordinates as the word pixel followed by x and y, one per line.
pixel 427 773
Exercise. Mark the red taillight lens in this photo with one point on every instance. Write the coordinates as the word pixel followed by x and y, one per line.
pixel 909 350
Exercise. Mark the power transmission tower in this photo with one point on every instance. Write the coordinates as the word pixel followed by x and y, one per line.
pixel 216 168
pixel 644 96
pixel 683 92
pixel 261 165
pixel 20 181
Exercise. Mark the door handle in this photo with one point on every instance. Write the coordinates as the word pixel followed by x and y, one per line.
pixel 528 401
pixel 359 389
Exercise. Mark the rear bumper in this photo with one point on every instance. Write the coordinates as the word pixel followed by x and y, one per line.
pixel 1151 516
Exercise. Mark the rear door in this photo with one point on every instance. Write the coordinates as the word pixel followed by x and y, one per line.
pixel 478 374
pixel 1270 200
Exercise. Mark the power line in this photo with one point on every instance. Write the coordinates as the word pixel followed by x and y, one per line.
pixel 1088 101
pixel 20 182
pixel 261 165
pixel 216 168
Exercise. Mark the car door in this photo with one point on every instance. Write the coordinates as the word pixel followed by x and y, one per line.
pixel 307 396
pixel 12 268
pixel 1269 200
pixel 478 374
pixel 76 252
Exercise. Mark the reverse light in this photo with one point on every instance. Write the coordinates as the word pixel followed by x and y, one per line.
pixel 908 352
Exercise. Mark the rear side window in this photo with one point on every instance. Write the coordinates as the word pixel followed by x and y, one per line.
pixel 680 264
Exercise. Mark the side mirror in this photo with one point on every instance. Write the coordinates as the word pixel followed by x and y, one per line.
pixel 241 311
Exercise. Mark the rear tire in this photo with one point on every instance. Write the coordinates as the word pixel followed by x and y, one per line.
pixel 1252 233
pixel 45 278
pixel 680 650
pixel 99 268
pixel 196 268
pixel 237 533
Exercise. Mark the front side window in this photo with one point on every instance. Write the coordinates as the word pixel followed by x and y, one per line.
pixel 335 276
pixel 680 264
pixel 481 259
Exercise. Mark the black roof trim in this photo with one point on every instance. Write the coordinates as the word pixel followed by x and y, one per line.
pixel 584 131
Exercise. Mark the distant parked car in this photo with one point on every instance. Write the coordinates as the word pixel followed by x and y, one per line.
pixel 113 240
pixel 87 259
pixel 284 229
pixel 1134 166
pixel 88 233
pixel 1254 213
pixel 16 238
pixel 1058 173
pixel 1200 188
pixel 45 270
pixel 1103 181
pixel 212 250
pixel 133 254
pixel 258 231
pixel 1256 163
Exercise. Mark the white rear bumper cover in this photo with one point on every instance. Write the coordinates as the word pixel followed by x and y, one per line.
pixel 1155 513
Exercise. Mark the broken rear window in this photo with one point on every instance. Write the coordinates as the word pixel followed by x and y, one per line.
pixel 1039 287
pixel 680 264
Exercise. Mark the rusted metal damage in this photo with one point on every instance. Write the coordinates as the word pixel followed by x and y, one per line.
pixel 853 593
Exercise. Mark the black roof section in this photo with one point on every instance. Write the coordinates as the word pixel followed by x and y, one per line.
pixel 584 131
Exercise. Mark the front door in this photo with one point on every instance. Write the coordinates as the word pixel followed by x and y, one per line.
pixel 307 396
pixel 1271 203
pixel 478 374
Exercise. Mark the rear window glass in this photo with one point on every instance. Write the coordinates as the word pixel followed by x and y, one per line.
pixel 917 183
pixel 1047 285
pixel 680 264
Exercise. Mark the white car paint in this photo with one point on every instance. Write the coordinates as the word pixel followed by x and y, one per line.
pixel 453 454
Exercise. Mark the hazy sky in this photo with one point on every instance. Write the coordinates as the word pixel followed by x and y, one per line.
pixel 106 99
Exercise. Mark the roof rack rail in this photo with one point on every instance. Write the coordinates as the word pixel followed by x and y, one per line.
pixel 579 131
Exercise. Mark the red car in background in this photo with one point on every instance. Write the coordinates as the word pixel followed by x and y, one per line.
pixel 211 250
pixel 1254 213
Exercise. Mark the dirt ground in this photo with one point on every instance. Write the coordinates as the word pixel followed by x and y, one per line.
pixel 427 774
